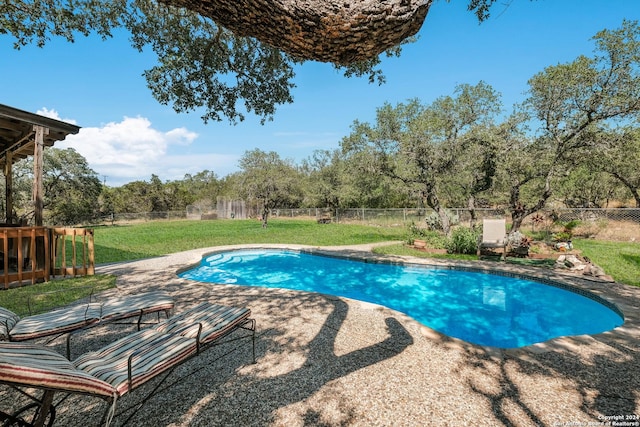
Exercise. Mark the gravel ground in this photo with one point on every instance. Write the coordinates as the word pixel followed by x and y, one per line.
pixel 327 361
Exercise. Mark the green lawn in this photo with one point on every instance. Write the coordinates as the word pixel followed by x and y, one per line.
pixel 619 259
pixel 128 242
pixel 155 238
pixel 45 296
pixel 120 243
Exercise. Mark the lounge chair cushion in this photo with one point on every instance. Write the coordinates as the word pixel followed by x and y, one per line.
pixel 8 320
pixel 36 366
pixel 72 318
pixel 55 322
pixel 216 320
pixel 130 305
pixel 151 353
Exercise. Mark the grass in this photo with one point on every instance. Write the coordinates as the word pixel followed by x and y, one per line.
pixel 128 242
pixel 619 259
pixel 155 238
pixel 43 297
pixel 144 240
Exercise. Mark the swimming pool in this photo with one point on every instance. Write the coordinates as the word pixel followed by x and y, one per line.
pixel 480 308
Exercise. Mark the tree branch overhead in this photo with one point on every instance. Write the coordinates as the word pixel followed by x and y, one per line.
pixel 338 31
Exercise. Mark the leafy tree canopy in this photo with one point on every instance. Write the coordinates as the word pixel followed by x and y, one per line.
pixel 269 180
pixel 201 65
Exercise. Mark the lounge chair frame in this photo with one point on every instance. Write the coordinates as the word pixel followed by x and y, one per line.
pixel 494 235
pixel 72 319
pixel 203 333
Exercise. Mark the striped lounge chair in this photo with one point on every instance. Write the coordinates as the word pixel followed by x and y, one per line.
pixel 118 368
pixel 73 318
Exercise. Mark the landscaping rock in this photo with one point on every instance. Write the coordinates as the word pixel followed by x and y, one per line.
pixel 580 266
pixel 573 262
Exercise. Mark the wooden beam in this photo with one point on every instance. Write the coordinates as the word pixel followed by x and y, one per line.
pixel 37 120
pixel 38 171
pixel 21 141
pixel 8 188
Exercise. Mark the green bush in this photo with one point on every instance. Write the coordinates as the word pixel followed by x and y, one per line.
pixel 463 240
pixel 435 223
pixel 435 239
pixel 567 232
pixel 414 233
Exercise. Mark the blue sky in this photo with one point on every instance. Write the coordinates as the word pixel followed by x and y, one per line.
pixel 127 135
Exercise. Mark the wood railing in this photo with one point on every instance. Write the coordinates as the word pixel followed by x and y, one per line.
pixel 36 253
pixel 25 254
pixel 73 252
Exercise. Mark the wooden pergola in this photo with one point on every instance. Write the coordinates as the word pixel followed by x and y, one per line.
pixel 24 134
pixel 35 252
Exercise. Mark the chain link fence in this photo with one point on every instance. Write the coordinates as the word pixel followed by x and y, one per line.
pixel 145 216
pixel 620 224
pixel 405 216
pixel 401 216
pixel 592 214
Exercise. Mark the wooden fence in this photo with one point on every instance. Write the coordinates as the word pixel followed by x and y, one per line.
pixel 36 253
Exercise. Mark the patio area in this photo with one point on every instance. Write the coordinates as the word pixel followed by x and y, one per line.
pixel 330 361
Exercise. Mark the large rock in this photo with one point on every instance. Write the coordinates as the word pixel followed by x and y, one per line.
pixel 586 268
pixel 338 31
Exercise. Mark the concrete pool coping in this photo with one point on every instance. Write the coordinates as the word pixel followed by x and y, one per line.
pixel 326 360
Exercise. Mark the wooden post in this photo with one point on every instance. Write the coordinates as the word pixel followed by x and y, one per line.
pixel 33 255
pixel 74 253
pixel 5 248
pixel 47 256
pixel 63 250
pixel 92 257
pixel 19 254
pixel 8 191
pixel 38 171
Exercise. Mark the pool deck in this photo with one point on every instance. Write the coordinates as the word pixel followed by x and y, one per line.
pixel 330 361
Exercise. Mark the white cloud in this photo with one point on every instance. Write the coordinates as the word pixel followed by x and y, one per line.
pixel 53 114
pixel 132 149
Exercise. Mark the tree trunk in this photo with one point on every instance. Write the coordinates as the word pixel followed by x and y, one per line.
pixel 265 216
pixel 519 211
pixel 329 31
pixel 471 206
pixel 444 219
pixel 434 203
pixel 516 220
pixel 630 186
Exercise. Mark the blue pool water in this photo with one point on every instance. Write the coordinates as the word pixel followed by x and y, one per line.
pixel 480 308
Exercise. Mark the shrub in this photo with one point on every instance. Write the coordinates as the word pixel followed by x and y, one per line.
pixel 434 239
pixel 567 231
pixel 463 240
pixel 434 223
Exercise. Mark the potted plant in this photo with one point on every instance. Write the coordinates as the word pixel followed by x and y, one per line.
pixel 563 239
pixel 419 243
